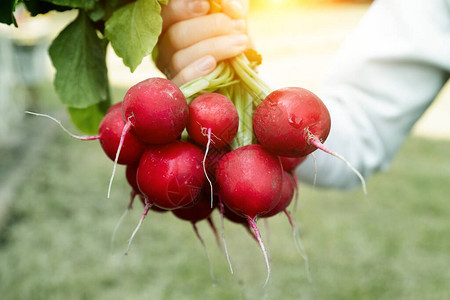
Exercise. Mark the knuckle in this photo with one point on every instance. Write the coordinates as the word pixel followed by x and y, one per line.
pixel 175 63
pixel 172 36
pixel 221 21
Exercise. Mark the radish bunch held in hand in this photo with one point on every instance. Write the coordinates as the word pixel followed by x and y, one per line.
pixel 224 140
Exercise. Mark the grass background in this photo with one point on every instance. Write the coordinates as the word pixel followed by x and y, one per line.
pixel 55 242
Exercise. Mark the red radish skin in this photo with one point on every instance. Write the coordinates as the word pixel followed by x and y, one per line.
pixel 214 111
pixel 130 175
pixel 201 210
pixel 212 159
pixel 287 194
pixel 250 180
pixel 110 131
pixel 291 163
pixel 285 119
pixel 171 175
pixel 156 109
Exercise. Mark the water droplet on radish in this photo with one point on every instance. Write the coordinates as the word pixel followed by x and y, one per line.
pixel 295 121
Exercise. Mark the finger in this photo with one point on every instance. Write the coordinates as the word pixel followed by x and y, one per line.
pixel 189 32
pixel 220 48
pixel 179 10
pixel 198 68
pixel 186 33
pixel 236 9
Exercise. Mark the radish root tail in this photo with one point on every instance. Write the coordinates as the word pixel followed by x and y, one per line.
pixel 313 140
pixel 223 235
pixel 261 244
pixel 197 233
pixel 125 130
pixel 204 166
pixel 299 245
pixel 214 229
pixel 148 205
pixel 82 138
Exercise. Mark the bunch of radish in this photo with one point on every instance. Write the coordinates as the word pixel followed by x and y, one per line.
pixel 219 141
pixel 225 141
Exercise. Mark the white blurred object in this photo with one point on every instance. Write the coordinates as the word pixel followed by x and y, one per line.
pixel 24 65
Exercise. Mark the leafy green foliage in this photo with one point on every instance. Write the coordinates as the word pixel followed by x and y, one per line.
pixel 134 30
pixel 88 119
pixel 36 7
pixel 7 8
pixel 81 79
pixel 86 4
pixel 78 55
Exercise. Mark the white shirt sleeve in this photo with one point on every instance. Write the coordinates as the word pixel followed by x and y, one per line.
pixel 382 80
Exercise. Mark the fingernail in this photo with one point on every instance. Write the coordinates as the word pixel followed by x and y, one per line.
pixel 236 8
pixel 239 40
pixel 206 64
pixel 239 25
pixel 198 6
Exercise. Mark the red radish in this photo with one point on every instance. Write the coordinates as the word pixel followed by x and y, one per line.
pixel 171 175
pixel 213 122
pixel 214 111
pixel 294 122
pixel 156 109
pixel 290 163
pixel 130 173
pixel 250 181
pixel 287 118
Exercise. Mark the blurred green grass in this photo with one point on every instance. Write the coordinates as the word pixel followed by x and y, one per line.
pixel 393 243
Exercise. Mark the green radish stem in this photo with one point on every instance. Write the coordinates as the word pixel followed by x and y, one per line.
pixel 313 140
pixel 82 138
pixel 261 244
pixel 221 76
pixel 147 207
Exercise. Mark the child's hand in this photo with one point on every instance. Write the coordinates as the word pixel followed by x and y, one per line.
pixel 193 41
